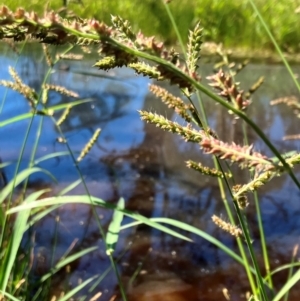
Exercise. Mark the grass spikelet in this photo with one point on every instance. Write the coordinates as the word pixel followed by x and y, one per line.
pixel 255 87
pixel 291 137
pixel 47 55
pixel 123 26
pixel 173 102
pixel 107 63
pixel 291 102
pixel 206 170
pixel 194 48
pixel 231 229
pixel 241 66
pixel 89 145
pixel 253 185
pixel 44 96
pixel 20 87
pixel 9 84
pixel 244 155
pixel 114 58
pixel 242 201
pixel 61 90
pixel 86 49
pixel 224 83
pixel 186 132
pixel 64 115
pixel 13 73
pixel 145 70
pixel 70 56
pixel 241 198
pixel 292 160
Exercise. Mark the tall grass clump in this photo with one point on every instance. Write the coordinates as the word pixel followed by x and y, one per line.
pixel 120 46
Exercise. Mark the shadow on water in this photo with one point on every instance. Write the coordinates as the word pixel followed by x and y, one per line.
pixel 146 166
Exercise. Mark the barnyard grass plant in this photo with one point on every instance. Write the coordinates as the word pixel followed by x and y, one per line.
pixel 119 46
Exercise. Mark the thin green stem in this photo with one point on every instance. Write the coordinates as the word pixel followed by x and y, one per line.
pixel 204 123
pixel 102 232
pixel 249 245
pixel 285 62
pixel 251 251
pixel 260 223
pixel 4 223
pixel 115 268
pixel 290 274
pixel 232 221
pixel 166 5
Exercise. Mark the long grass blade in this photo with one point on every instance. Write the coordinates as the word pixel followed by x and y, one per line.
pixel 4 164
pixel 192 229
pixel 9 296
pixel 82 199
pixel 20 227
pixel 284 290
pixel 114 227
pixel 66 261
pixel 19 179
pixel 50 156
pixel 70 187
pixel 76 289
pixel 45 112
pixel 277 47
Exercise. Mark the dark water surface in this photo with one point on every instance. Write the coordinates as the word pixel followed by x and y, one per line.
pixel 145 165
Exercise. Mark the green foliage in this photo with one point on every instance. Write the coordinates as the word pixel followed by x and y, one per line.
pixel 230 22
pixel 120 46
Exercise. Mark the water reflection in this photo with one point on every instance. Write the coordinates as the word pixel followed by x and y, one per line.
pixel 146 166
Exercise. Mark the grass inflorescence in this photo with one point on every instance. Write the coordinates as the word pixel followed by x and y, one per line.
pixel 119 46
pixel 224 21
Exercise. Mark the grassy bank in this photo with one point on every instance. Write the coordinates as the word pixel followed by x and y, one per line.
pixel 231 22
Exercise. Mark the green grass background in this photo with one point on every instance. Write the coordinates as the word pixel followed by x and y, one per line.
pixel 230 22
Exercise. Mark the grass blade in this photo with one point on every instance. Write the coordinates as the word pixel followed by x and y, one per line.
pixel 192 229
pixel 45 111
pixel 114 227
pixel 284 290
pixel 11 297
pixel 70 187
pixel 66 261
pixel 50 156
pixel 20 226
pixel 266 27
pixel 82 199
pixel 76 289
pixel 20 178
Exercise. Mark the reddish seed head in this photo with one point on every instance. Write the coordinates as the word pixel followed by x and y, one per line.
pixel 20 13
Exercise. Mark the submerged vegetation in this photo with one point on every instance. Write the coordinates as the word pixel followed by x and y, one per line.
pixel 119 46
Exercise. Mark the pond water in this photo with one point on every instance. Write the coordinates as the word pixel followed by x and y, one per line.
pixel 145 165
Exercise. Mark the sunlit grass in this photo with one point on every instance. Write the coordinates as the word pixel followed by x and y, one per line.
pixel 168 67
pixel 230 22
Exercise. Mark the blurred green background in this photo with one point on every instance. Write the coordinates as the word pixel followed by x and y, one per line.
pixel 230 22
